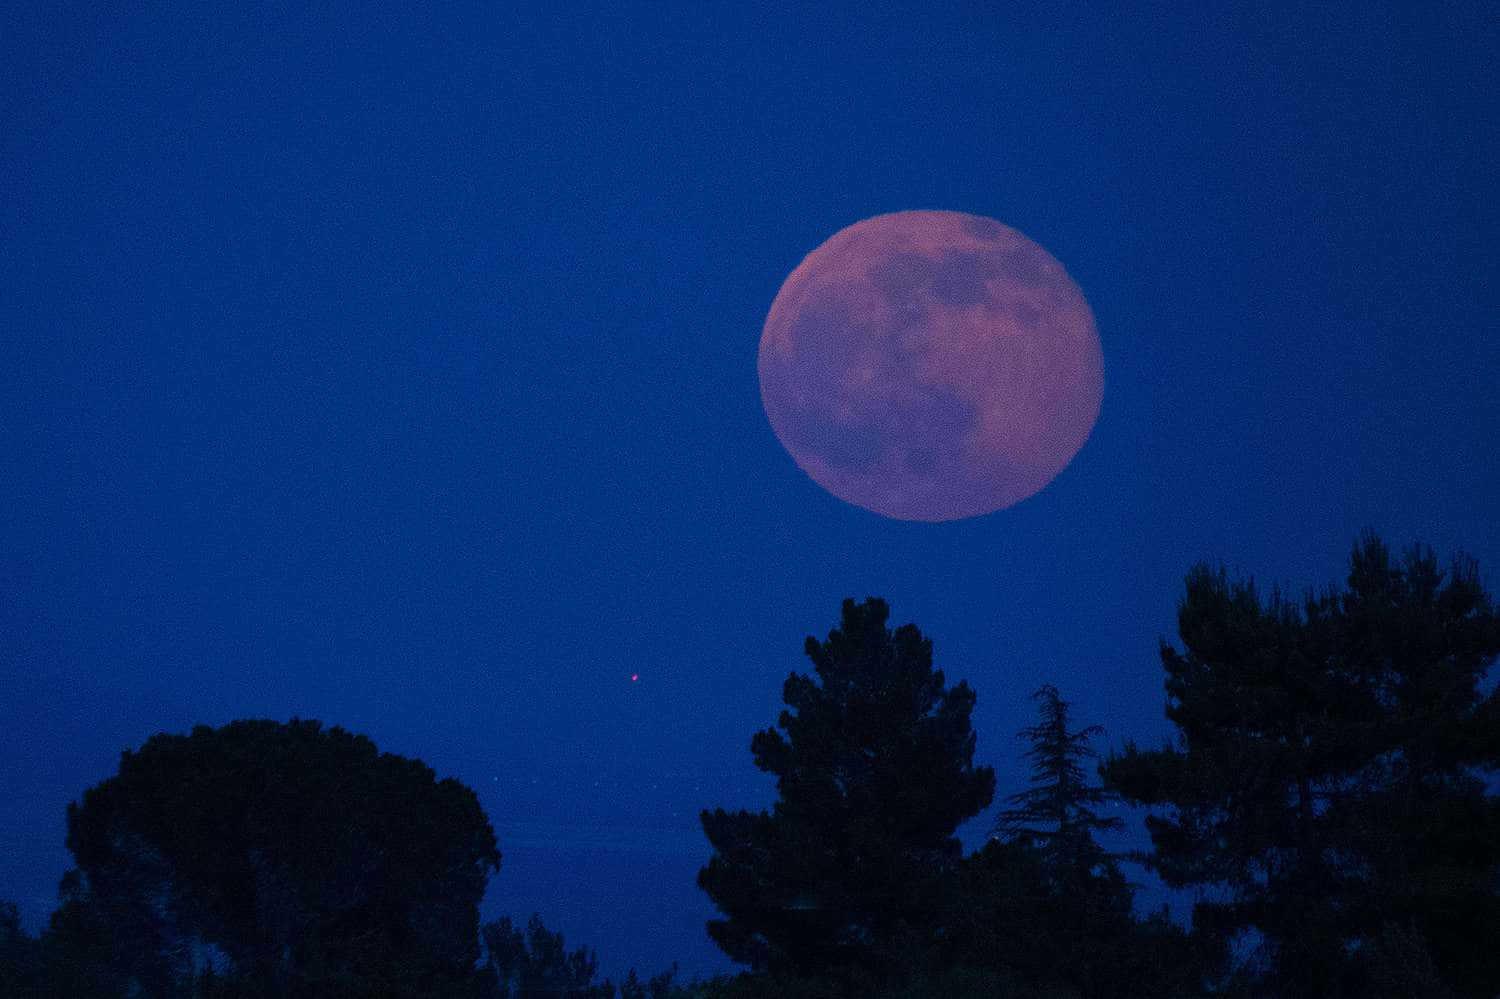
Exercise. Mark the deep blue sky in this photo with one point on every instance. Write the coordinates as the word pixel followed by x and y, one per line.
pixel 398 370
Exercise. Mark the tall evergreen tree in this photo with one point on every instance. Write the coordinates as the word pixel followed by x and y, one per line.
pixel 1329 774
pixel 1059 810
pixel 874 767
pixel 1045 906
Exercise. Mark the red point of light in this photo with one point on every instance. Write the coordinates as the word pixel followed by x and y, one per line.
pixel 634 677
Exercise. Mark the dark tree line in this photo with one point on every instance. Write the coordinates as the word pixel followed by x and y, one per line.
pixel 267 859
pixel 1328 790
pixel 854 883
pixel 1331 777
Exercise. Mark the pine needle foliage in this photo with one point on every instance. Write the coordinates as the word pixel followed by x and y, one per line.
pixel 1060 811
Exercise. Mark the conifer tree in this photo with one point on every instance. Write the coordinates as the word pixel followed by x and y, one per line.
pixel 1060 810
pixel 1329 775
pixel 874 765
pixel 1044 905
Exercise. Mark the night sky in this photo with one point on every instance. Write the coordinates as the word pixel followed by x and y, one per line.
pixel 399 371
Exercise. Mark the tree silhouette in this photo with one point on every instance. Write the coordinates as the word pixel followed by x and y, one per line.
pixel 1044 906
pixel 1059 810
pixel 19 957
pixel 537 964
pixel 658 986
pixel 874 769
pixel 1328 776
pixel 313 863
pixel 83 956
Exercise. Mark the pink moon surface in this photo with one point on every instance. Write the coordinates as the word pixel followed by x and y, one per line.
pixel 931 366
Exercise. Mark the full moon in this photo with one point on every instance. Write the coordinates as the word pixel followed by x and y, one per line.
pixel 931 366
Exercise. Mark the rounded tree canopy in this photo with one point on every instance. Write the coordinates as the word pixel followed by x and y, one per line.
pixel 300 852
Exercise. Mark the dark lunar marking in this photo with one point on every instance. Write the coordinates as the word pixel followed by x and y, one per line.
pixel 938 416
pixel 987 229
pixel 906 314
pixel 1026 314
pixel 1025 266
pixel 825 336
pixel 932 427
pixel 899 276
pixel 854 448
pixel 921 460
pixel 960 278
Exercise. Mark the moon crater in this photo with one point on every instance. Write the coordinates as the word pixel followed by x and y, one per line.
pixel 931 366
